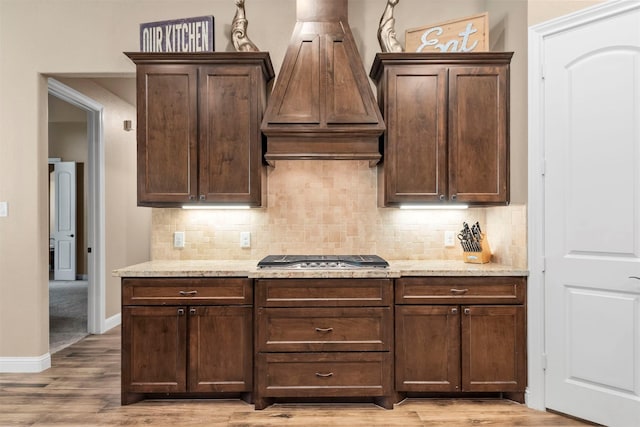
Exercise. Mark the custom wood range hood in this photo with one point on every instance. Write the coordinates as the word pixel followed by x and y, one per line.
pixel 322 106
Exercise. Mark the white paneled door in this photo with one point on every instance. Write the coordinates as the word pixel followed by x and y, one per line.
pixel 64 232
pixel 592 219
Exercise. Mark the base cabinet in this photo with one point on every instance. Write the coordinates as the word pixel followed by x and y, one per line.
pixel 188 348
pixel 445 345
pixel 324 338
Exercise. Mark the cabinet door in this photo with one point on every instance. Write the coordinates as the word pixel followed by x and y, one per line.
pixel 493 348
pixel 427 348
pixel 167 133
pixel 415 156
pixel 230 140
pixel 478 134
pixel 220 349
pixel 154 349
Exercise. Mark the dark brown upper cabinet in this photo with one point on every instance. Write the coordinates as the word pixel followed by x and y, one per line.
pixel 322 106
pixel 447 118
pixel 198 127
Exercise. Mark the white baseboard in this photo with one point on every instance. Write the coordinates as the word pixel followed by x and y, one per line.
pixel 25 364
pixel 112 322
pixel 42 363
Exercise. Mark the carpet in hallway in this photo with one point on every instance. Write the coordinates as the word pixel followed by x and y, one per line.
pixel 67 313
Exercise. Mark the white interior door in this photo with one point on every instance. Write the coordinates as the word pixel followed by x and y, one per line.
pixel 64 230
pixel 592 220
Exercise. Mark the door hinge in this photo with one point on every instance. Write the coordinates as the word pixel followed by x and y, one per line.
pixel 543 361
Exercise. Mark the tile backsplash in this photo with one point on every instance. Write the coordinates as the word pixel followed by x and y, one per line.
pixel 330 207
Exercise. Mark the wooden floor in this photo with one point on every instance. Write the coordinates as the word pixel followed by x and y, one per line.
pixel 83 389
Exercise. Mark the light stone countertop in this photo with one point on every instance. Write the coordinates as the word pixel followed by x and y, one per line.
pixel 247 268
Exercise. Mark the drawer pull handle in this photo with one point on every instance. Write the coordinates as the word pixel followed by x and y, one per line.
pixel 459 291
pixel 324 330
pixel 321 375
pixel 634 277
pixel 188 293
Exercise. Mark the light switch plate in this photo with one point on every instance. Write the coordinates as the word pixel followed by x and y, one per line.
pixel 4 209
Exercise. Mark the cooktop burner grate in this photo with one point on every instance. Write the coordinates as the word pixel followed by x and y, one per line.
pixel 322 261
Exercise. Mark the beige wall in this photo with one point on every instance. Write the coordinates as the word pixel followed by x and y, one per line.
pixel 86 38
pixel 544 10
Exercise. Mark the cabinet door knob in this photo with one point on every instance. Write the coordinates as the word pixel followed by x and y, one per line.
pixel 454 196
pixel 321 375
pixel 181 312
pixel 193 311
pixel 324 330
pixel 454 311
pixel 203 197
pixel 441 197
pixel 467 311
pixel 192 197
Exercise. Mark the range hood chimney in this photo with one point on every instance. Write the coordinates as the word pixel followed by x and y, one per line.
pixel 322 106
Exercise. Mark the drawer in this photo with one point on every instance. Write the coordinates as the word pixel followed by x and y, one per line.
pixel 324 292
pixel 460 290
pixel 324 329
pixel 188 291
pixel 324 374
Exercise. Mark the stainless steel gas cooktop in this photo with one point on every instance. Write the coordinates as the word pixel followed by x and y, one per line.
pixel 322 262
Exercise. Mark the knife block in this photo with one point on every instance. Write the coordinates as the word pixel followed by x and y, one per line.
pixel 482 257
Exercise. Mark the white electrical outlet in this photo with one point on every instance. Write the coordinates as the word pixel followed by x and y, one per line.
pixel 4 208
pixel 178 239
pixel 449 239
pixel 245 239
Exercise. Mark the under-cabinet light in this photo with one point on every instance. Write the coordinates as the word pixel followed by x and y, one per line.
pixel 215 207
pixel 434 207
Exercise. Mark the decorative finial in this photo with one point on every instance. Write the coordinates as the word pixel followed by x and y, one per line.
pixel 239 30
pixel 386 30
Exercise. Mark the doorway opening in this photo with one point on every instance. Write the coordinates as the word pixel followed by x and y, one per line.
pixel 95 226
pixel 68 284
